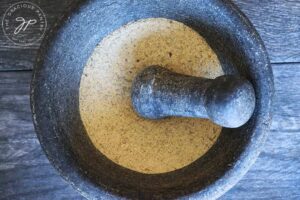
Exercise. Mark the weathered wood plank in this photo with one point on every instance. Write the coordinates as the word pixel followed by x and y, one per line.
pixel 14 57
pixel 15 113
pixel 34 182
pixel 53 10
pixel 25 172
pixel 277 21
pixel 287 104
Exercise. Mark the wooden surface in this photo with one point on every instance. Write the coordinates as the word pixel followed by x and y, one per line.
pixel 25 172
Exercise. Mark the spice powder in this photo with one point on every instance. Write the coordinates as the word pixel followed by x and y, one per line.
pixel 146 146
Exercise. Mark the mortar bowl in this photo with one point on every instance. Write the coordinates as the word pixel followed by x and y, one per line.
pixel 55 99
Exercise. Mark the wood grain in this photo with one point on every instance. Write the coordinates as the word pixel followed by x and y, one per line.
pixel 25 172
pixel 13 57
pixel 277 21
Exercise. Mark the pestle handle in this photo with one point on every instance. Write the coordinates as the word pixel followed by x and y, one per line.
pixel 228 100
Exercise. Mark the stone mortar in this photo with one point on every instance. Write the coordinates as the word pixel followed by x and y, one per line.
pixel 55 88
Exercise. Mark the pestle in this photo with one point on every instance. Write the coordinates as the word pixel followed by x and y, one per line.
pixel 228 100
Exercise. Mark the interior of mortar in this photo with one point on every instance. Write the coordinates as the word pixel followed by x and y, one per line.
pixel 143 145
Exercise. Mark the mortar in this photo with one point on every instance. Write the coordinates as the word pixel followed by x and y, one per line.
pixel 55 99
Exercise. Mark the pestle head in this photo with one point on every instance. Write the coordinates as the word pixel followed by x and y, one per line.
pixel 228 100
